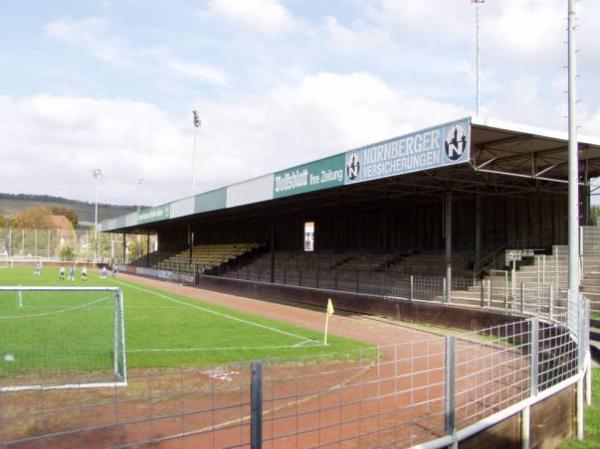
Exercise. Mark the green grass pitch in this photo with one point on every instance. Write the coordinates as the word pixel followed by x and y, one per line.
pixel 65 332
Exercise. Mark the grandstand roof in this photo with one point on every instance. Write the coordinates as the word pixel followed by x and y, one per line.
pixel 465 155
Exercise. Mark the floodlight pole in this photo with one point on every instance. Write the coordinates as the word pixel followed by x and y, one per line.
pixel 139 242
pixel 477 54
pixel 97 173
pixel 573 157
pixel 197 123
pixel 139 183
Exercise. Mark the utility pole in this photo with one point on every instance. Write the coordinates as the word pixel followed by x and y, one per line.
pixel 197 123
pixel 139 184
pixel 477 4
pixel 97 174
pixel 573 156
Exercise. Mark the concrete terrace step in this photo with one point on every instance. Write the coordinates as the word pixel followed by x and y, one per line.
pixel 595 351
pixel 595 334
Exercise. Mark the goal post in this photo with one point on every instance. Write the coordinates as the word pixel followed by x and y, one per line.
pixel 61 337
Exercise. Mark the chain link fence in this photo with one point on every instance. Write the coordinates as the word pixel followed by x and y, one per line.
pixel 18 244
pixel 421 392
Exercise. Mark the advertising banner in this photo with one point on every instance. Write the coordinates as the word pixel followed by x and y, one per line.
pixel 309 236
pixel 154 214
pixel 318 175
pixel 423 150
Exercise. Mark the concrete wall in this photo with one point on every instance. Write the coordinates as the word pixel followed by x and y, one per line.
pixel 552 422
pixel 410 311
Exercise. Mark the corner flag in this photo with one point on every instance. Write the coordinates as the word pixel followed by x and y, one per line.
pixel 329 313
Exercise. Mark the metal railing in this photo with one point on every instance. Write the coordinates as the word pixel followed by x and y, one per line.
pixel 428 392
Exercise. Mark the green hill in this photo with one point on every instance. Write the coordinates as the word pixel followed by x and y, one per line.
pixel 11 203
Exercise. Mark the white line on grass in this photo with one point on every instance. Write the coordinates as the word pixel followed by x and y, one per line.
pixel 55 312
pixel 214 312
pixel 238 348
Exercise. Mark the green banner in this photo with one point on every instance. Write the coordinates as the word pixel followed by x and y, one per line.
pixel 154 214
pixel 318 175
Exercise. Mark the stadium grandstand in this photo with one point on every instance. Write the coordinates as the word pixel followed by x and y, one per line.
pixel 433 214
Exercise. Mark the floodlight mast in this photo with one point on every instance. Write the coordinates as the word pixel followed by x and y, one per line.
pixel 477 55
pixel 197 124
pixel 139 184
pixel 97 174
pixel 573 155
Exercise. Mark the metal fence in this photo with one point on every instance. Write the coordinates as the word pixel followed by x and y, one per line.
pixel 18 244
pixel 429 392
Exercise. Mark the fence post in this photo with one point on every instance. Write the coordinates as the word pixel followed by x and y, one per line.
pixel 551 302
pixel 513 278
pixel 256 405
pixel 445 289
pixel 506 290
pixel 412 287
pixel 535 355
pixel 450 389
pixel 482 293
pixel 489 293
pixel 580 412
pixel 522 297
pixel 525 428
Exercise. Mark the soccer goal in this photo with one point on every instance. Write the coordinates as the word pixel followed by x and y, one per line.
pixel 61 337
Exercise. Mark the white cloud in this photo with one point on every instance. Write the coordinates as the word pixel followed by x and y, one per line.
pixel 439 22
pixel 200 71
pixel 90 34
pixel 264 16
pixel 57 141
pixel 318 116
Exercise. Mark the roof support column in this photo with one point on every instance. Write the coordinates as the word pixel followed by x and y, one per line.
pixel 448 233
pixel 148 248
pixel 476 264
pixel 124 248
pixel 190 238
pixel 587 197
pixel 273 249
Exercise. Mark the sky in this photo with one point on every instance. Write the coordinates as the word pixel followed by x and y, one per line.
pixel 111 84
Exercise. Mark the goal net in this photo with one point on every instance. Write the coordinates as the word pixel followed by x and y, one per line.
pixel 61 337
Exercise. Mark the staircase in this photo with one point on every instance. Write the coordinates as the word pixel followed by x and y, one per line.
pixel 535 274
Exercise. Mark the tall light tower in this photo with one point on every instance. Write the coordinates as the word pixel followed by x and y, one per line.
pixel 477 4
pixel 97 174
pixel 139 237
pixel 197 123
pixel 139 184
pixel 573 156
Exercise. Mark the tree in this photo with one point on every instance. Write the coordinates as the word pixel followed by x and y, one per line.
pixel 69 213
pixel 4 220
pixel 34 217
pixel 67 253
